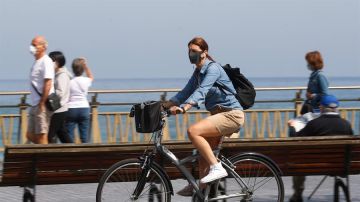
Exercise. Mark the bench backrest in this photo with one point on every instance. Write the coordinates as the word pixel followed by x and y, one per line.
pixel 327 155
pixel 61 164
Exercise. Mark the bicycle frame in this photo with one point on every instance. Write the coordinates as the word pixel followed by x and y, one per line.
pixel 257 170
pixel 179 163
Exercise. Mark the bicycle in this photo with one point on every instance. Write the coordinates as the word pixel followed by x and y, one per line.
pixel 143 179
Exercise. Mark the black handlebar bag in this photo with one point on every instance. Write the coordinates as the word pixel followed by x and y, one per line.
pixel 147 116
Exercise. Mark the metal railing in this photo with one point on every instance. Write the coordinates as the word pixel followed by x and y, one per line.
pixel 117 126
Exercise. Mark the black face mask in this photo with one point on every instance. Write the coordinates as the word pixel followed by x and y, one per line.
pixel 194 57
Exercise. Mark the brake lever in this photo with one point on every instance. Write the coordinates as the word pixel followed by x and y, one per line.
pixel 132 112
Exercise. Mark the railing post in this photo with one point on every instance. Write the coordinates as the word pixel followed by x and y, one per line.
pixel 23 121
pixel 95 129
pixel 163 96
pixel 298 103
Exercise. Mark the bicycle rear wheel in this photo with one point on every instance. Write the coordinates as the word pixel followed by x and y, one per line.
pixel 120 181
pixel 263 180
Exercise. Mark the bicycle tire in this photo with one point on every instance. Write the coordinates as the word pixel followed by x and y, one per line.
pixel 121 179
pixel 28 196
pixel 261 176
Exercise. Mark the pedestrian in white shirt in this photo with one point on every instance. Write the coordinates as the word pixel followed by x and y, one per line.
pixel 79 108
pixel 41 85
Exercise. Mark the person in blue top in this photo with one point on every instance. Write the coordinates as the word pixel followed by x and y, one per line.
pixel 318 84
pixel 226 112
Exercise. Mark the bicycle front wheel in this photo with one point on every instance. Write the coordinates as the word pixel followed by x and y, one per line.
pixel 122 180
pixel 263 181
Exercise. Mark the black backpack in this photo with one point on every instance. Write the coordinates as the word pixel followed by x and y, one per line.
pixel 245 91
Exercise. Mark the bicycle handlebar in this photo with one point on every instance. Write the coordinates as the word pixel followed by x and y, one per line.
pixel 167 112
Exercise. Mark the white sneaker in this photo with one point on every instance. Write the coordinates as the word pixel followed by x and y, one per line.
pixel 216 172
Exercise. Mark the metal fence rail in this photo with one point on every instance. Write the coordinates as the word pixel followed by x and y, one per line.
pixel 109 127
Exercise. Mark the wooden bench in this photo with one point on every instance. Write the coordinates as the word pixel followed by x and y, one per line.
pixel 31 165
pixel 337 156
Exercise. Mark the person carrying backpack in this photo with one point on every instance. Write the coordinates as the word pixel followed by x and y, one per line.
pixel 226 112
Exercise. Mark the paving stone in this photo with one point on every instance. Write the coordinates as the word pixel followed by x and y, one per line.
pixel 86 192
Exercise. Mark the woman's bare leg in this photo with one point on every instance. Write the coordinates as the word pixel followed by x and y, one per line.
pixel 198 134
pixel 203 165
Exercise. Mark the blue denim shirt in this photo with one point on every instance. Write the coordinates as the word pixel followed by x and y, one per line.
pixel 200 89
pixel 318 85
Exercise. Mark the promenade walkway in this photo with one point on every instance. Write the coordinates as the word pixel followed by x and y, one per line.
pixel 86 192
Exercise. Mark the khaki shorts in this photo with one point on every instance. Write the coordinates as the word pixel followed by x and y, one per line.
pixel 39 121
pixel 228 122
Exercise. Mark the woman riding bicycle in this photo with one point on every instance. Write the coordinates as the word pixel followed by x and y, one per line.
pixel 226 112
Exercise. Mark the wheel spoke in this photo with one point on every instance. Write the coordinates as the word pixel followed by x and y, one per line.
pixel 120 181
pixel 261 178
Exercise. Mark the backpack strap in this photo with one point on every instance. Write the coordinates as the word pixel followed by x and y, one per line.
pixel 34 87
pixel 220 85
pixel 37 91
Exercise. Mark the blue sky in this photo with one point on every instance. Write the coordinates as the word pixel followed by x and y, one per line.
pixel 148 38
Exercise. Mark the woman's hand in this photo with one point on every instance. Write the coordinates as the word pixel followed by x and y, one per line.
pixel 87 69
pixel 85 63
pixel 180 110
pixel 291 123
pixel 176 110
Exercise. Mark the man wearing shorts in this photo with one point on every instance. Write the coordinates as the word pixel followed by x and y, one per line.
pixel 41 85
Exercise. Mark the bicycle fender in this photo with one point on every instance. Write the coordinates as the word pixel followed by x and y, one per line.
pixel 262 156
